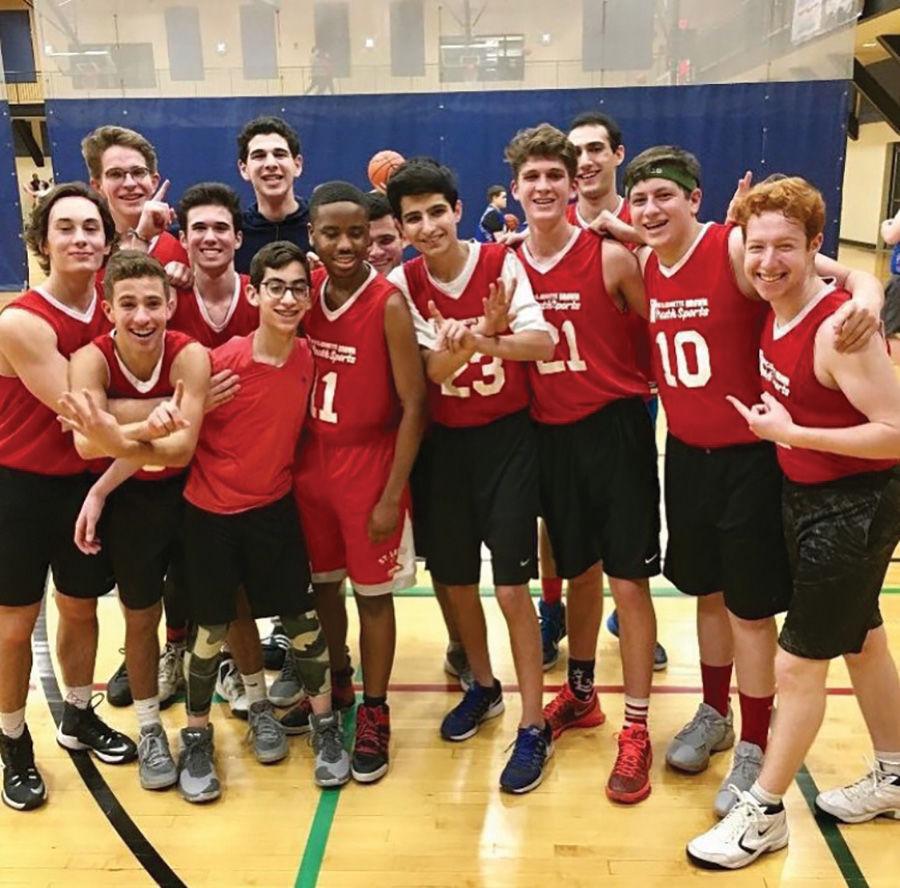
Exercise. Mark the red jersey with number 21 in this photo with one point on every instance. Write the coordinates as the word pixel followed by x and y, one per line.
pixel 704 335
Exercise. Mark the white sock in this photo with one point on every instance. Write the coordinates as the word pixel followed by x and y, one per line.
pixel 636 709
pixel 889 762
pixel 255 686
pixel 80 697
pixel 13 723
pixel 762 796
pixel 147 712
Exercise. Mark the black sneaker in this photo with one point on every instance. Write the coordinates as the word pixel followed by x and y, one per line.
pixel 118 689
pixel 82 729
pixel 477 705
pixel 274 647
pixel 23 787
pixel 371 748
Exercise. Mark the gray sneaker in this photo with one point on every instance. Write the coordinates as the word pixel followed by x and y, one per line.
pixel 332 760
pixel 748 762
pixel 156 767
pixel 707 732
pixel 269 739
pixel 456 663
pixel 171 674
pixel 197 778
pixel 286 690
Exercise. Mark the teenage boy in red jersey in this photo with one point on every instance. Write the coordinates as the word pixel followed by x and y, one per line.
pixel 367 415
pixel 723 486
pixel 597 454
pixel 141 360
pixel 42 482
pixel 836 417
pixel 483 484
pixel 123 167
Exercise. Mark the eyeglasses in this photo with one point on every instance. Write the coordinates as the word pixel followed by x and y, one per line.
pixel 119 175
pixel 277 288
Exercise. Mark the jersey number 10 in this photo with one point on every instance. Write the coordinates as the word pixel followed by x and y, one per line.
pixel 691 375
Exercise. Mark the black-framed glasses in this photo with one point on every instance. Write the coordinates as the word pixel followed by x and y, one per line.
pixel 277 288
pixel 116 174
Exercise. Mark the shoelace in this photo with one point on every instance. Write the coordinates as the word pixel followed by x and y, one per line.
pixel 157 752
pixel 329 741
pixel 93 723
pixel 868 783
pixel 560 704
pixel 266 727
pixel 475 701
pixel 701 720
pixel 743 762
pixel 631 754
pixel 368 735
pixel 197 752
pixel 746 811
pixel 288 671
pixel 528 749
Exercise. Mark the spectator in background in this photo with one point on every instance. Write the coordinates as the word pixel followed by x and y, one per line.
pixel 492 221
pixel 890 314
pixel 320 73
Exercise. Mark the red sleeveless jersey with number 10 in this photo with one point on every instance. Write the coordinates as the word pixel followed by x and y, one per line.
pixel 786 365
pixel 31 439
pixel 486 388
pixel 704 335
pixel 123 384
pixel 353 398
pixel 594 362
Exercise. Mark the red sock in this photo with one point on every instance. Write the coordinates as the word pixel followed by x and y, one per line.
pixel 756 713
pixel 716 684
pixel 176 634
pixel 551 590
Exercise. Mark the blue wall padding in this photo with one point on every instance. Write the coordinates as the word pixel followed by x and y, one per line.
pixel 785 127
pixel 13 262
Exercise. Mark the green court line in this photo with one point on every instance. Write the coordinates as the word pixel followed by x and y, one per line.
pixel 320 828
pixel 655 592
pixel 843 856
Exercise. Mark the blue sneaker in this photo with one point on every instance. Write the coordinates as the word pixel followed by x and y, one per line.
pixel 660 657
pixel 477 705
pixel 553 630
pixel 525 768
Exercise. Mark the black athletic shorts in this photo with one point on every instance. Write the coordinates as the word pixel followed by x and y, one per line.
pixel 37 528
pixel 723 511
pixel 840 537
pixel 418 485
pixel 600 492
pixel 483 488
pixel 260 549
pixel 141 529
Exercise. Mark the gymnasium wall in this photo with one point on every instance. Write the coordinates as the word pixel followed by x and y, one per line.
pixel 13 261
pixel 866 183
pixel 774 127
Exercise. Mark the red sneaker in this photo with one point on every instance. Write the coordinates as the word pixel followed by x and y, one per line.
pixel 629 781
pixel 566 711
pixel 373 736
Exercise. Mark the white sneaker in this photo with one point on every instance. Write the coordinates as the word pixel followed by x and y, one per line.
pixel 171 674
pixel 230 687
pixel 745 833
pixel 875 795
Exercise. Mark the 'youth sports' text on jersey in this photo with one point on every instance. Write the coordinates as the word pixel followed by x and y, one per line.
pixel 786 365
pixel 594 362
pixel 124 384
pixel 354 399
pixel 31 439
pixel 246 449
pixel 191 316
pixel 704 336
pixel 486 388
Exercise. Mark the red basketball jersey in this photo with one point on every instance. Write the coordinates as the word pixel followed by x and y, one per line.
pixel 623 211
pixel 124 384
pixel 594 362
pixel 486 388
pixel 353 398
pixel 165 248
pixel 705 338
pixel 191 316
pixel 786 365
pixel 31 439
pixel 246 449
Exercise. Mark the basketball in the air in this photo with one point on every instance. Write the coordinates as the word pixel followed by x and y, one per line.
pixel 382 165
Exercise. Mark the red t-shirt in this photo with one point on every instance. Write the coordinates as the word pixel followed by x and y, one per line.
pixel 594 362
pixel 786 365
pixel 31 439
pixel 124 384
pixel 191 316
pixel 353 398
pixel 705 334
pixel 486 388
pixel 246 449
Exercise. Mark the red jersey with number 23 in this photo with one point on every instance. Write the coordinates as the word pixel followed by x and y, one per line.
pixel 787 368
pixel 594 362
pixel 704 335
pixel 353 398
pixel 124 384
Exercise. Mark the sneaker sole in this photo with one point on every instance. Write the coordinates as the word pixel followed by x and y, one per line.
pixel 533 785
pixel 73 744
pixel 201 798
pixel 495 710
pixel 369 776
pixel 23 806
pixel 548 665
pixel 727 742
pixel 717 865
pixel 660 667
pixel 159 783
pixel 629 798
pixel 332 784
pixel 272 758
pixel 828 814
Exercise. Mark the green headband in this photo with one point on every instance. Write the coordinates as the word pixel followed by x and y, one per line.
pixel 662 170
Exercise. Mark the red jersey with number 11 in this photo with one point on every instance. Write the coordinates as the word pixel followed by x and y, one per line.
pixel 704 335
